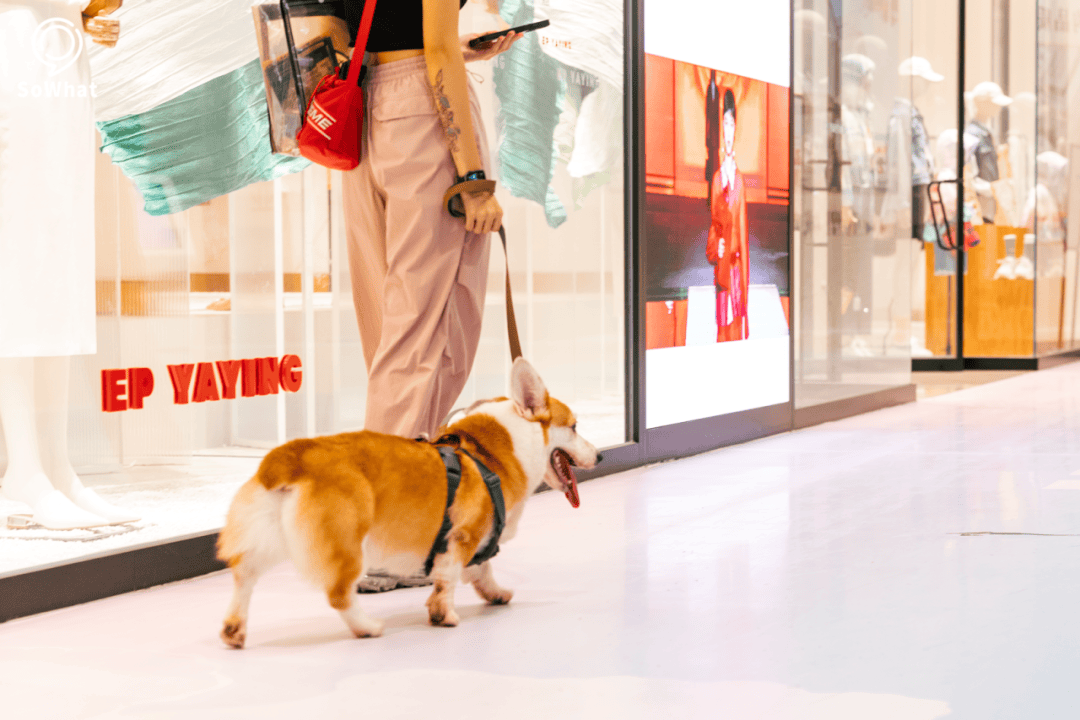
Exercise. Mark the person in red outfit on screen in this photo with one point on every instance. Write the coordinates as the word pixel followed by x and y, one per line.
pixel 727 244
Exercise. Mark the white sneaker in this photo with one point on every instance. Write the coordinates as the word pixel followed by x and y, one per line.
pixel 1006 268
pixel 1024 268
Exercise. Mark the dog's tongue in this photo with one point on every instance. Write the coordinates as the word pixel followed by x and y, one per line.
pixel 571 493
pixel 562 464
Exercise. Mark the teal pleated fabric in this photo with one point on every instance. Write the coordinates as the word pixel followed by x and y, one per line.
pixel 531 96
pixel 208 142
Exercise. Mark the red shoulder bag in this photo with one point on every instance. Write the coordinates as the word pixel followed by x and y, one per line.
pixel 334 119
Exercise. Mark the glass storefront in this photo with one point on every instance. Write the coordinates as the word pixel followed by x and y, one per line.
pixel 196 289
pixel 931 33
pixel 1054 198
pixel 852 195
pixel 772 267
pixel 1018 278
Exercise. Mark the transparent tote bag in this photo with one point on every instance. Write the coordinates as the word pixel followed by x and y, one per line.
pixel 300 43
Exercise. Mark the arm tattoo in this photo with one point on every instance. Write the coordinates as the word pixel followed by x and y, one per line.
pixel 446 115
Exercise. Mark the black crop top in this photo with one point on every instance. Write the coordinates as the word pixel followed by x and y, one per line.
pixel 398 24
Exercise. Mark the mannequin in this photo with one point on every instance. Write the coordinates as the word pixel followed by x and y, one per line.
pixel 921 78
pixel 47 308
pixel 987 100
pixel 857 181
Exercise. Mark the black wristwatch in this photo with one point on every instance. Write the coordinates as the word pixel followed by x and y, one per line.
pixel 474 175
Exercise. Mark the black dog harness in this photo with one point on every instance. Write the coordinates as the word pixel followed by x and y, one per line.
pixel 453 479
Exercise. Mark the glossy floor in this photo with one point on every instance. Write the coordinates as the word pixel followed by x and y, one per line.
pixel 852 571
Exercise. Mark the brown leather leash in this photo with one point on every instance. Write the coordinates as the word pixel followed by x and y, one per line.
pixel 454 206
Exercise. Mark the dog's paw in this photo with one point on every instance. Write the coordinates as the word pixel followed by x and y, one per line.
pixel 495 595
pixel 232 634
pixel 370 629
pixel 502 597
pixel 444 617
pixel 491 593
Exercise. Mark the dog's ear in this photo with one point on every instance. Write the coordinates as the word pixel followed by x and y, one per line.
pixel 527 390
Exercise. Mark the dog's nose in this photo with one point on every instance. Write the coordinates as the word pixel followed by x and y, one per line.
pixel 599 457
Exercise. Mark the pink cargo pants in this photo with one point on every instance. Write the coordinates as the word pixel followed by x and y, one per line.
pixel 418 278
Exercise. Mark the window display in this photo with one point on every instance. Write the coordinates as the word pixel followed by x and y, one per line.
pixel 46 278
pixel 215 258
pixel 716 205
pixel 1053 199
pixel 862 161
pixel 999 145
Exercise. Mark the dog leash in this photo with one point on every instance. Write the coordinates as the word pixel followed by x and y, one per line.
pixel 454 206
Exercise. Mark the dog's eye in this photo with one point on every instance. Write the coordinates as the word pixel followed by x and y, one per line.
pixel 573 428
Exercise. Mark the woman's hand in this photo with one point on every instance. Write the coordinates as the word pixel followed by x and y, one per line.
pixel 488 51
pixel 483 214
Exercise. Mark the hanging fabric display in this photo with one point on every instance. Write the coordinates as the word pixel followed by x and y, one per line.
pixel 180 103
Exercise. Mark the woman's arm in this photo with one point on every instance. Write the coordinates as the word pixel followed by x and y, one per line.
pixel 446 73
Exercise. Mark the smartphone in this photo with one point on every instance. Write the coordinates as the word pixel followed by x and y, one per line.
pixel 491 37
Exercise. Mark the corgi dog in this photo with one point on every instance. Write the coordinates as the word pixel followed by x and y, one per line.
pixel 338 504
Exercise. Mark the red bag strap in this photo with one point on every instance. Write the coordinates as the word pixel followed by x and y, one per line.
pixel 360 47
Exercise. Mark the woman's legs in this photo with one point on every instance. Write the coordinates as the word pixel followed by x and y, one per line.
pixel 365 229
pixel 419 279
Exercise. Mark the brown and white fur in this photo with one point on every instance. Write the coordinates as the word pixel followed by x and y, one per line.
pixel 335 505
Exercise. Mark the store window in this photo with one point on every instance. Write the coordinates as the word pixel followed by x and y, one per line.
pixel 1003 285
pixel 1049 207
pixel 931 81
pixel 855 180
pixel 196 272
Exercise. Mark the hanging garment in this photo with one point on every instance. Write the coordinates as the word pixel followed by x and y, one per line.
pixel 531 99
pixel 587 36
pixel 181 105
pixel 167 49
pixel 210 141
pixel 46 182
pixel 598 137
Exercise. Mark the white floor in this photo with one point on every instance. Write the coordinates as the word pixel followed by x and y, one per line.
pixel 824 574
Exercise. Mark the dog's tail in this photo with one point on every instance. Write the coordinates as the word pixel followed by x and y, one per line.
pixel 254 528
pixel 282 466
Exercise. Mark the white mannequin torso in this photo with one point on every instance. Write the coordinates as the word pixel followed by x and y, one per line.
pixel 46 181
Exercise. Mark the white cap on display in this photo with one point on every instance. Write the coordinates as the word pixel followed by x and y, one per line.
pixel 991 91
pixel 920 67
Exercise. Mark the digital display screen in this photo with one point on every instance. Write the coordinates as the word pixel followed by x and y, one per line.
pixel 717 194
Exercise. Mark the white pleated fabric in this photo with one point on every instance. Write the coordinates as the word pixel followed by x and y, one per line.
pixel 46 181
pixel 167 48
pixel 585 34
pixel 588 35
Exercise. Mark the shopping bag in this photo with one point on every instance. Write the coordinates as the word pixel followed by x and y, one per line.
pixel 300 43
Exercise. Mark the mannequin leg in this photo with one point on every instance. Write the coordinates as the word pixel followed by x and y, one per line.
pixel 26 480
pixel 52 376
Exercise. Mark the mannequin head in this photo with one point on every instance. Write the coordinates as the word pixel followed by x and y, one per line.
pixel 987 100
pixel 920 75
pixel 729 121
pixel 858 77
